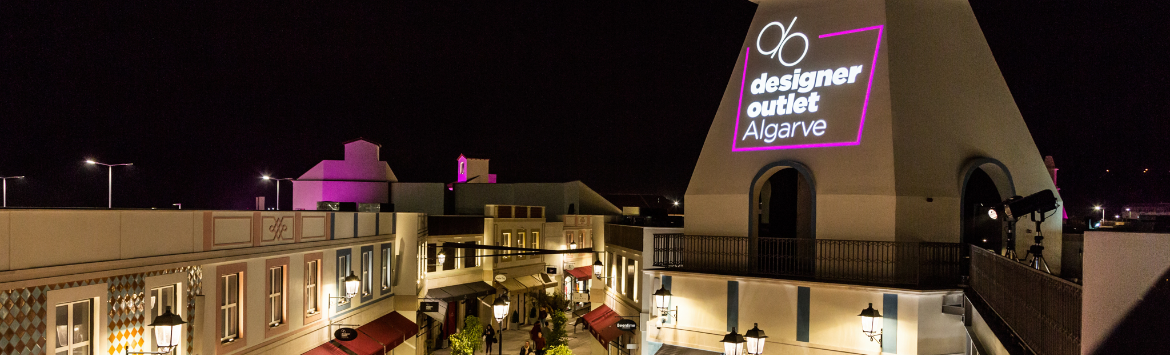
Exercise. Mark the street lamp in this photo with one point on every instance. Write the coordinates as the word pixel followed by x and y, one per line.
pixel 662 302
pixel 1102 209
pixel 869 324
pixel 598 268
pixel 5 178
pixel 500 310
pixel 352 283
pixel 278 180
pixel 110 189
pixel 755 340
pixel 168 330
pixel 733 343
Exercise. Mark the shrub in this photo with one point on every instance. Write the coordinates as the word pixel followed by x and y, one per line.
pixel 468 340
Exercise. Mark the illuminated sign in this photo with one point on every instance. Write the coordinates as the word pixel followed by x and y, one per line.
pixel 802 90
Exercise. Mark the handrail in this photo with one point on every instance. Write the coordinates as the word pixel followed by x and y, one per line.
pixel 1042 309
pixel 917 264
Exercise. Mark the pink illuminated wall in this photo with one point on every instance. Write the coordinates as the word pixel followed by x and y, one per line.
pixel 361 178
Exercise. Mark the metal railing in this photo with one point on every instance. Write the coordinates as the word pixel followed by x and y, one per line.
pixel 1043 310
pixel 624 236
pixel 917 264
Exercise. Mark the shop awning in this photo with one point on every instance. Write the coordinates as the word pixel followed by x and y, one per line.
pixel 582 273
pixel 461 291
pixel 531 283
pixel 601 324
pixel 330 348
pixel 668 349
pixel 514 286
pixel 374 338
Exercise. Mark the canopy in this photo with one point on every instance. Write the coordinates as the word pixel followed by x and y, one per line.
pixel 461 291
pixel 601 324
pixel 514 286
pixel 582 273
pixel 330 348
pixel 374 338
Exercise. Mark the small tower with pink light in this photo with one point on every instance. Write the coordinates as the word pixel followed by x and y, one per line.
pixel 474 171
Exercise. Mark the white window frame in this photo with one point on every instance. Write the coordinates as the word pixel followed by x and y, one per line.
pixel 276 286
pixel 228 308
pixel 98 294
pixel 179 281
pixel 367 273
pixel 387 258
pixel 344 266
pixel 312 286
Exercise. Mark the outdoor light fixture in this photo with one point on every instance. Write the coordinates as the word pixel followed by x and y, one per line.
pixel 5 178
pixel 168 330
pixel 662 302
pixel 110 187
pixel 755 340
pixel 500 310
pixel 441 258
pixel 598 268
pixel 352 283
pixel 733 343
pixel 869 324
pixel 573 245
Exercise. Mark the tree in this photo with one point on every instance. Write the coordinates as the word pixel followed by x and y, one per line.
pixel 468 340
pixel 559 350
pixel 557 335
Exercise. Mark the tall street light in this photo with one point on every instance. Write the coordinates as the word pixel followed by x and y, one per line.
pixel 1102 209
pixel 5 178
pixel 500 311
pixel 110 189
pixel 266 177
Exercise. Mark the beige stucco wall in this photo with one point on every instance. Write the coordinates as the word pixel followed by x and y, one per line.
pixel 1119 268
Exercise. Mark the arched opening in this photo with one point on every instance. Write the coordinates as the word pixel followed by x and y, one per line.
pixel 785 206
pixel 979 228
pixel 782 222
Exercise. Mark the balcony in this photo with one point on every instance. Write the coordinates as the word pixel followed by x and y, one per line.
pixel 918 265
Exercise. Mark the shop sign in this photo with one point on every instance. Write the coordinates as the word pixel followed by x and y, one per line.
pixel 580 297
pixel 345 334
pixel 428 306
pixel 501 278
pixel 551 270
pixel 626 325
pixel 801 90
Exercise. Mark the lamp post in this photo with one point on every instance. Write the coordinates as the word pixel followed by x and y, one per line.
pixel 110 188
pixel 733 343
pixel 5 178
pixel 168 330
pixel 278 180
pixel 869 325
pixel 500 311
pixel 755 340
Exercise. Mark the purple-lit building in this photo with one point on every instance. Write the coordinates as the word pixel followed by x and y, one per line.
pixel 361 177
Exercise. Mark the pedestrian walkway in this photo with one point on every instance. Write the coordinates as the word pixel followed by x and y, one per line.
pixel 579 341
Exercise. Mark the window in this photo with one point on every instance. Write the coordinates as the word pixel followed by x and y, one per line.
pixel 344 267
pixel 312 280
pixel 535 240
pixel 160 299
pixel 452 255
pixel 470 256
pixel 630 276
pixel 610 271
pixel 432 258
pixel 506 239
pixel 230 307
pixel 367 269
pixel 521 241
pixel 387 253
pixel 637 277
pixel 276 296
pixel 74 328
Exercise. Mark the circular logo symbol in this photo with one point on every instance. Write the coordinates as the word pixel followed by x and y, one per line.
pixel 786 35
pixel 501 278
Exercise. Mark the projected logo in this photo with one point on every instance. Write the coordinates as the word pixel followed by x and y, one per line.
pixel 801 92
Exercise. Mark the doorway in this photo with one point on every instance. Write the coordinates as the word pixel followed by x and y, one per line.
pixel 979 228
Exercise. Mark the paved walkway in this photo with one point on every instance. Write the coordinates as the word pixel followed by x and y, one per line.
pixel 579 341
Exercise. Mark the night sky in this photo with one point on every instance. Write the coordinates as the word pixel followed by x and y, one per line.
pixel 205 97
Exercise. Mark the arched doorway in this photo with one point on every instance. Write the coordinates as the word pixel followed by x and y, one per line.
pixel 782 222
pixel 979 228
pixel 986 183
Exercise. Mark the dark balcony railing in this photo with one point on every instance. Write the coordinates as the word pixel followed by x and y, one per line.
pixel 1043 310
pixel 623 236
pixel 918 264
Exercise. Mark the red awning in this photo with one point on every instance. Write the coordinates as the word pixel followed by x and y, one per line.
pixel 383 333
pixel 329 348
pixel 601 324
pixel 582 273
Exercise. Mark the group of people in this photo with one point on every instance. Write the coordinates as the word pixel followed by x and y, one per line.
pixel 534 346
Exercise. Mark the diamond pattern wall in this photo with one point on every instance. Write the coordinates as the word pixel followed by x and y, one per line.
pixel 23 312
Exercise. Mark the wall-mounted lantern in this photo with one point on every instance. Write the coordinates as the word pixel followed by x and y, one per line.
pixel 869 324
pixel 733 343
pixel 755 340
pixel 662 302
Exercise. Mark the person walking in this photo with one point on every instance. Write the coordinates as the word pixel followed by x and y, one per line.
pixel 539 343
pixel 489 338
pixel 526 349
